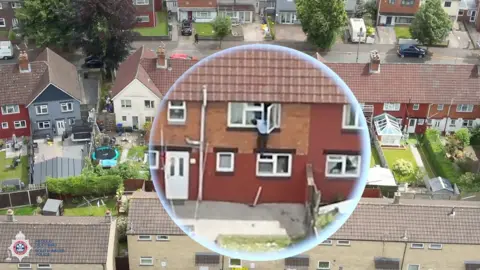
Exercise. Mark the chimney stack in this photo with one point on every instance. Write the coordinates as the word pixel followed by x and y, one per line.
pixel 23 63
pixel 161 57
pixel 108 216
pixel 374 62
pixel 10 216
pixel 396 198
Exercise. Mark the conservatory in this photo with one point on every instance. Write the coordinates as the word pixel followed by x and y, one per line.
pixel 388 130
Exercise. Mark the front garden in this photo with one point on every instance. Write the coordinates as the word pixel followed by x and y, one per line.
pixel 161 29
pixel 204 29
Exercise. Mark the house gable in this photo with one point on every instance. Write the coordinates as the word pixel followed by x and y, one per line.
pixel 51 93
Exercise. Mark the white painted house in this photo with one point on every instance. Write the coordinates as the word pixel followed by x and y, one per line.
pixel 452 7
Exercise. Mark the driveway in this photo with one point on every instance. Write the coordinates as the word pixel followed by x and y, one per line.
pixel 289 32
pixel 253 32
pixel 385 35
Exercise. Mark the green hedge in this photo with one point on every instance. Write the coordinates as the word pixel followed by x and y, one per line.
pixel 437 156
pixel 271 27
pixel 84 185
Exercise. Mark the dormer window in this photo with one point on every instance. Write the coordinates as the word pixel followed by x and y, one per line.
pixel 241 115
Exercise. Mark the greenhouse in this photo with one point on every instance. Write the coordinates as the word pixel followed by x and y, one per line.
pixel 388 130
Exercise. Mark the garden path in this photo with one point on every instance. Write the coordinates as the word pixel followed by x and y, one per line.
pixel 418 160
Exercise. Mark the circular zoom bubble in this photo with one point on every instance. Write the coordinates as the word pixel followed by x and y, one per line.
pixel 262 150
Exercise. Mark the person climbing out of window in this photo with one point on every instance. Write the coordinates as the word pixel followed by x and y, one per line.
pixel 262 134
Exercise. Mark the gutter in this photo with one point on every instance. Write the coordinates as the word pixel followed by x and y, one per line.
pixel 202 144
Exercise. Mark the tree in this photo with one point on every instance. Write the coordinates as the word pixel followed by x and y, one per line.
pixel 463 136
pixel 371 10
pixel 222 26
pixel 106 27
pixel 431 24
pixel 48 22
pixel 360 9
pixel 322 20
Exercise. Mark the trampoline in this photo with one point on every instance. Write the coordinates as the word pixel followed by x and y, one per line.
pixel 107 156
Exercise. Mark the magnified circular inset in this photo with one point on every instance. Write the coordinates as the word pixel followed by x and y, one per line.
pixel 262 150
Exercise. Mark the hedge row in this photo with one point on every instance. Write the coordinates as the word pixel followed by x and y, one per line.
pixel 84 186
pixel 437 156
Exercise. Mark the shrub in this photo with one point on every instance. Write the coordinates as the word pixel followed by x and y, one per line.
pixel 403 167
pixel 11 35
pixel 437 155
pixel 475 135
pixel 463 136
pixel 122 223
pixel 469 182
pixel 271 27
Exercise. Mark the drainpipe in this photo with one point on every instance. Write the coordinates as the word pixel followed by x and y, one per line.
pixel 202 143
pixel 448 116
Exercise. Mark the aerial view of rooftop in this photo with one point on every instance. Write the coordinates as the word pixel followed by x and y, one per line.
pixel 83 94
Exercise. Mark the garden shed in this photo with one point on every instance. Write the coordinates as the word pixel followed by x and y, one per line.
pixel 53 208
pixel 388 130
pixel 440 185
pixel 383 179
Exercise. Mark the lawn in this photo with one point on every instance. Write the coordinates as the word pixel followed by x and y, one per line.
pixel 255 243
pixel 20 172
pixel 161 29
pixel 392 155
pixel 22 211
pixel 204 29
pixel 137 152
pixel 403 32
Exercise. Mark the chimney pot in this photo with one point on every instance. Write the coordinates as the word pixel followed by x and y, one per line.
pixel 10 216
pixel 161 57
pixel 374 65
pixel 108 216
pixel 23 63
pixel 396 198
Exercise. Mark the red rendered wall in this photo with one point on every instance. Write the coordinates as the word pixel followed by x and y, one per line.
pixel 150 14
pixel 23 115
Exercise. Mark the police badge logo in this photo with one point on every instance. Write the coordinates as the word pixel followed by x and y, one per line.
pixel 20 247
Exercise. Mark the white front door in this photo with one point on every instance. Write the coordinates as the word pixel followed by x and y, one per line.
pixel 412 124
pixel 60 127
pixel 176 175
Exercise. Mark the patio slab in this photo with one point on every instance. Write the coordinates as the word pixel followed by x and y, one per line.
pixel 67 149
pixel 289 32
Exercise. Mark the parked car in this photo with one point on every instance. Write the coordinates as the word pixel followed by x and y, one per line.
pixel 186 28
pixel 93 62
pixel 411 51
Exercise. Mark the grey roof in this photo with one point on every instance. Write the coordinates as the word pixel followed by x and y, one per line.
pixel 425 221
pixel 84 240
pixel 286 5
pixel 56 167
pixel 468 5
pixel 52 205
pixel 439 183
pixel 146 215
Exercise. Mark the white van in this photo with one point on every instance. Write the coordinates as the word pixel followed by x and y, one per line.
pixel 6 50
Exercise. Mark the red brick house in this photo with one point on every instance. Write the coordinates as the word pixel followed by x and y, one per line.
pixel 7 14
pixel 145 11
pixel 234 169
pixel 391 12
pixel 197 10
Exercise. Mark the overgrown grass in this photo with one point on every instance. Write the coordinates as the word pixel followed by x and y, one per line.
pixel 255 243
pixel 403 32
pixel 204 29
pixel 392 155
pixel 23 211
pixel 161 29
pixel 94 210
pixel 20 172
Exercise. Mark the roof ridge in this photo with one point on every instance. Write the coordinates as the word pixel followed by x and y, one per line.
pixel 457 206
pixel 139 60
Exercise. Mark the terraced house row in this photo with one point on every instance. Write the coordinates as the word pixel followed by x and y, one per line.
pixel 381 234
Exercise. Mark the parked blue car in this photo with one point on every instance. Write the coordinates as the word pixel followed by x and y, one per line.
pixel 411 51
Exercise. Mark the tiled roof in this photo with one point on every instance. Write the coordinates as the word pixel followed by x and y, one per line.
pixel 146 215
pixel 84 240
pixel 197 3
pixel 48 67
pixel 278 77
pixel 424 221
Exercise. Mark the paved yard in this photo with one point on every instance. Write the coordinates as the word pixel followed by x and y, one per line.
pixel 222 218
pixel 66 149
pixel 253 32
pixel 91 87
pixel 289 32
pixel 385 35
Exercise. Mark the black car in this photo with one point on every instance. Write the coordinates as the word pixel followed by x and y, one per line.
pixel 411 51
pixel 186 28
pixel 93 62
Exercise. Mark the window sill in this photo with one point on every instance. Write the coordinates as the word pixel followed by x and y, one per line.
pixel 217 173
pixel 341 177
pixel 67 111
pixel 42 113
pixel 250 129
pixel 274 177
pixel 351 130
pixel 176 123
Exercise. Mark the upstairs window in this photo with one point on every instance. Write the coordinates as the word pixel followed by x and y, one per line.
pixel 126 103
pixel 447 4
pixel 351 118
pixel 274 165
pixel 343 166
pixel 16 5
pixel 241 114
pixel 408 2
pixel 41 109
pixel 465 108
pixel 225 162
pixel 141 2
pixel 149 104
pixel 177 112
pixel 416 107
pixel 392 107
pixel 66 107
pixel 10 109
pixel 439 107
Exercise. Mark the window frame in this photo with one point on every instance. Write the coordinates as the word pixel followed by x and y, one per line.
pixel 124 103
pixel 274 160
pixel 5 109
pixel 438 246
pixel 417 246
pixel 230 265
pixel 182 107
pixel 156 165
pixel 166 238
pixel 440 107
pixel 421 121
pixel 142 2
pixel 124 117
pixel 469 123
pixel 20 122
pixel 416 107
pixel 324 268
pixel 232 164
pixel 44 266
pixel 43 122
pixel 346 112
pixel 246 108
pixel 151 104
pixel 5 125
pixel 346 243
pixel 24 266
pixel 39 109
pixel 4 22
pixel 142 19
pixel 327 242
pixel 66 104
pixel 139 238
pixel 328 158
pixel 16 5
pixel 149 119
pixel 445 4
pixel 146 258
pixel 387 107
pixel 468 109
pixel 452 122
pixel 414 265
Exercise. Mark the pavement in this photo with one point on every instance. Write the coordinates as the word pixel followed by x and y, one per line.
pixel 419 161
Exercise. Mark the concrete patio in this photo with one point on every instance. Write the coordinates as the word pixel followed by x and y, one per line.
pixel 66 149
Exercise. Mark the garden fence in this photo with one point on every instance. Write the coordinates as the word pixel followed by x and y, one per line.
pixel 23 197
pixel 376 147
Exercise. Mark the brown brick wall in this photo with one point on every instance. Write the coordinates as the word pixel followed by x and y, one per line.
pixel 397 7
